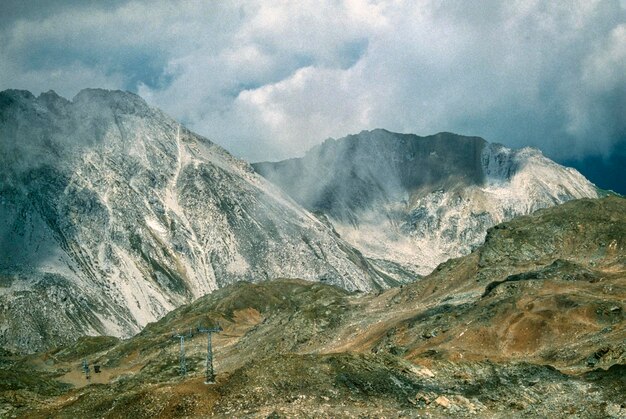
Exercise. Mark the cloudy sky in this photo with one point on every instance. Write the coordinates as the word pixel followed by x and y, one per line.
pixel 270 79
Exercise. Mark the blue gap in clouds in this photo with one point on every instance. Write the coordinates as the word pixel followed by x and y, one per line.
pixel 605 172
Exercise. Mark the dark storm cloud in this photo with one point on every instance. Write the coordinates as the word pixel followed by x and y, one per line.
pixel 271 79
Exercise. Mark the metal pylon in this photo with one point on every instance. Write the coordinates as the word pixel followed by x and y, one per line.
pixel 210 372
pixel 182 360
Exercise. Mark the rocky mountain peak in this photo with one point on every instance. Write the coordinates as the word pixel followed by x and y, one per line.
pixel 421 200
pixel 112 214
pixel 117 100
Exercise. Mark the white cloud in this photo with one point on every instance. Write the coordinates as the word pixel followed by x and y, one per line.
pixel 272 78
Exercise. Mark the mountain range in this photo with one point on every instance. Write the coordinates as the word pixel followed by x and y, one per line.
pixel 420 201
pixel 113 214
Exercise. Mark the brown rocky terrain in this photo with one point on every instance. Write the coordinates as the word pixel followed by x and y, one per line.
pixel 530 324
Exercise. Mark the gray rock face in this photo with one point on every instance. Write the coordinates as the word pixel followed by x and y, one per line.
pixel 419 201
pixel 112 214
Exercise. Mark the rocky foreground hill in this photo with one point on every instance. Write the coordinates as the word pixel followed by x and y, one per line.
pixel 530 324
pixel 420 201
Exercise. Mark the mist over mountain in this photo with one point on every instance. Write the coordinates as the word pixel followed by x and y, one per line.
pixel 113 214
pixel 422 200
pixel 116 220
pixel 298 209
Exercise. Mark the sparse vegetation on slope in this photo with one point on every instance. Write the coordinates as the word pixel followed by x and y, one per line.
pixel 531 323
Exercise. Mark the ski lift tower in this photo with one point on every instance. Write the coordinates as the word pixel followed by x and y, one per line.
pixel 210 372
pixel 183 362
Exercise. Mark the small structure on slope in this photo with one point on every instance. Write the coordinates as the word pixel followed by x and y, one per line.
pixel 210 372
